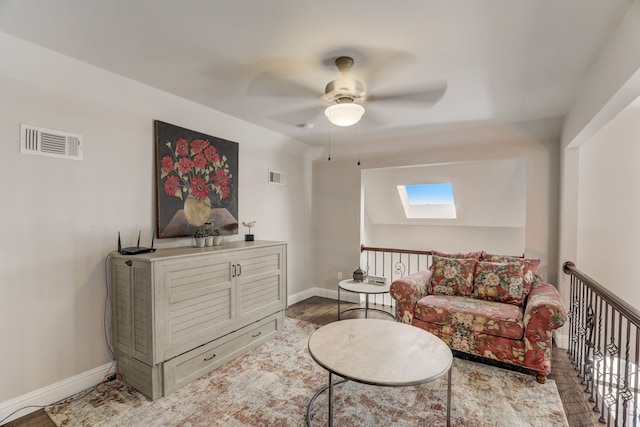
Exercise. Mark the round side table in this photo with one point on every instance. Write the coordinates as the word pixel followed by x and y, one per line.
pixel 351 285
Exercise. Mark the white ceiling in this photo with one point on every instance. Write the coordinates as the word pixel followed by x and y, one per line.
pixel 502 61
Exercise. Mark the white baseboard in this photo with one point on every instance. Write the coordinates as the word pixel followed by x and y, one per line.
pixel 52 393
pixel 561 340
pixel 70 386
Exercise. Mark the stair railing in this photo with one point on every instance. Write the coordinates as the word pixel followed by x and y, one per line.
pixel 392 264
pixel 604 344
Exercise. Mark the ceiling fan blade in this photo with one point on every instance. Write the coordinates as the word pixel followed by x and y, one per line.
pixel 301 116
pixel 373 118
pixel 428 96
pixel 388 65
pixel 267 83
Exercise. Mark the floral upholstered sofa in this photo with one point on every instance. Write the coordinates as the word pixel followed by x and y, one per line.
pixel 492 306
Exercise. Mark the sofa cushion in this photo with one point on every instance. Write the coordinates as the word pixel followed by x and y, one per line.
pixel 451 276
pixel 490 346
pixel 529 270
pixel 499 281
pixel 476 255
pixel 456 313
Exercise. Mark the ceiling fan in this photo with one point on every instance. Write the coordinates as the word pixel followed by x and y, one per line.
pixel 343 92
pixel 347 95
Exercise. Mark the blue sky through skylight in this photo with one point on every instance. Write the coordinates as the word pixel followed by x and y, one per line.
pixel 430 194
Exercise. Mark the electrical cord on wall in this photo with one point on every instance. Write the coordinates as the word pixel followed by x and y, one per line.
pixel 106 304
pixel 108 376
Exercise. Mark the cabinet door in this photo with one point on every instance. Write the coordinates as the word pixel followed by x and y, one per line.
pixel 260 281
pixel 194 302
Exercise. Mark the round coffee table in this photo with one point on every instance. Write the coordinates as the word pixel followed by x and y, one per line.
pixel 362 288
pixel 379 352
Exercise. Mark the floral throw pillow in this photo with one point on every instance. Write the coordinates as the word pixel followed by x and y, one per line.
pixel 452 276
pixel 499 281
pixel 529 267
pixel 476 255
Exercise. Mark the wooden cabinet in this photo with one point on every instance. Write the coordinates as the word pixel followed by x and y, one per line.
pixel 179 313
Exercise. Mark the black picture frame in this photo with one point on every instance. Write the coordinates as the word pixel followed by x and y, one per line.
pixel 196 181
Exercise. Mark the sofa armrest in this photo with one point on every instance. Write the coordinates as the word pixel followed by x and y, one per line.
pixel 544 304
pixel 543 314
pixel 407 291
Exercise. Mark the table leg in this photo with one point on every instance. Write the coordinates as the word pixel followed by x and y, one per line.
pixel 331 399
pixel 366 309
pixel 449 397
pixel 338 302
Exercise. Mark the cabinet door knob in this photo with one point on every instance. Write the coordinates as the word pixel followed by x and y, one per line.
pixel 233 270
pixel 239 269
pixel 206 359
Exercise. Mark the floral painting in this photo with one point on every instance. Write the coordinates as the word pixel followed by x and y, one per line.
pixel 197 182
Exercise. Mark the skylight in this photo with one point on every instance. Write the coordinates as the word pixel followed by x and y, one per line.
pixel 429 201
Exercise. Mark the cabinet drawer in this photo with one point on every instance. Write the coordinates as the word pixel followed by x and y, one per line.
pixel 190 366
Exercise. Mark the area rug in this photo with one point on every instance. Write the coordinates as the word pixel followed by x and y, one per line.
pixel 272 384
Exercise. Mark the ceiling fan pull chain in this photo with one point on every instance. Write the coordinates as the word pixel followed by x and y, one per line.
pixel 359 145
pixel 330 131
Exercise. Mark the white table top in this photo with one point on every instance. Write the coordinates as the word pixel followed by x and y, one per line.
pixel 380 352
pixel 363 287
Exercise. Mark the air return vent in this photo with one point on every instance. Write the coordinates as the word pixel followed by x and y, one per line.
pixel 49 142
pixel 276 177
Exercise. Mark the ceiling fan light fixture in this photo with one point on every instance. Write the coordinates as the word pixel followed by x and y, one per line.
pixel 344 114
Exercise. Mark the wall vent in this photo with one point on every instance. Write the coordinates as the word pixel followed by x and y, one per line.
pixel 49 142
pixel 276 177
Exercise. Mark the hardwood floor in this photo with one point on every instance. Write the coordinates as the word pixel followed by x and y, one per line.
pixel 34 419
pixel 322 311
pixel 576 406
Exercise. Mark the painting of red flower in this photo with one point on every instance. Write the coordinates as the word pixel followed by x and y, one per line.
pixel 197 181
pixel 172 186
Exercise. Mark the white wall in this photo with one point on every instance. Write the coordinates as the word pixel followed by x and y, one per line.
pixel 60 218
pixel 606 89
pixel 336 221
pixel 337 194
pixel 612 84
pixel 609 206
pixel 488 193
pixel 490 199
pixel 495 240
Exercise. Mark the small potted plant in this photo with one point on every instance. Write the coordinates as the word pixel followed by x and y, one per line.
pixel 200 235
pixel 217 238
pixel 208 228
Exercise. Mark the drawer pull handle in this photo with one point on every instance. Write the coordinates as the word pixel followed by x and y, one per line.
pixel 233 270
pixel 256 335
pixel 239 270
pixel 206 359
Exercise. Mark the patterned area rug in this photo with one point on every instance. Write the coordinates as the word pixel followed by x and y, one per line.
pixel 272 384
